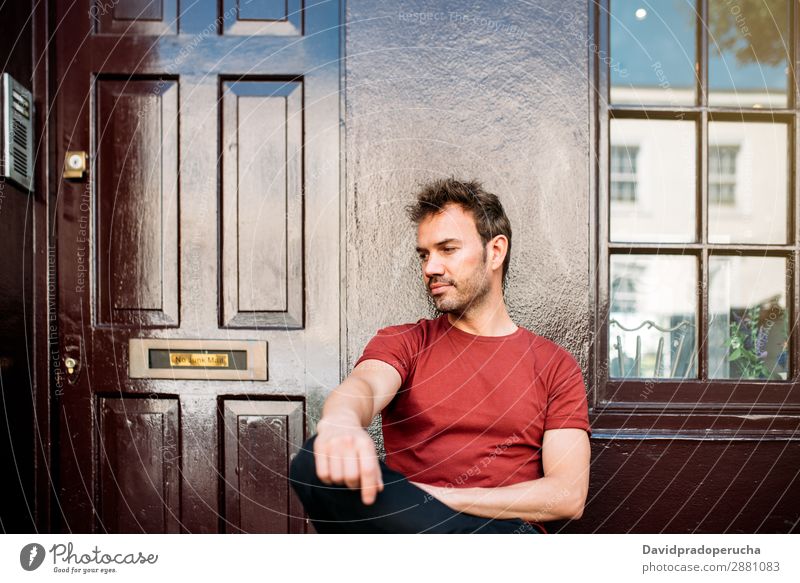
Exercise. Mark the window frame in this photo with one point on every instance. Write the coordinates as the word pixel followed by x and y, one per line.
pixel 702 407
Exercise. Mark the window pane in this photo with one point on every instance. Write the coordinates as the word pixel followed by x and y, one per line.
pixel 652 180
pixel 748 47
pixel 748 327
pixel 652 57
pixel 747 182
pixel 651 324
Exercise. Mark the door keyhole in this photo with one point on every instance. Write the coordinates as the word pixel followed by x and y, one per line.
pixel 70 363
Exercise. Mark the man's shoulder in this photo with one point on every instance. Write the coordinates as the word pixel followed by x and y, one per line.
pixel 422 327
pixel 547 350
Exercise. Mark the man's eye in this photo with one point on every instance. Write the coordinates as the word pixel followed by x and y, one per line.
pixel 450 249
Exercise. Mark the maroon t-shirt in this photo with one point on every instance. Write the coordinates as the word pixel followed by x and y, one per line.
pixel 472 410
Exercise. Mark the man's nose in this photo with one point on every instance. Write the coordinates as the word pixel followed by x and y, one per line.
pixel 433 266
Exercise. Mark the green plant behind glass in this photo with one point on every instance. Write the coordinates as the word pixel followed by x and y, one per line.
pixel 747 345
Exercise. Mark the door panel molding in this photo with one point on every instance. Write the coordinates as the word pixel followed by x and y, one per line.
pixel 138 441
pixel 135 127
pixel 259 440
pixel 262 203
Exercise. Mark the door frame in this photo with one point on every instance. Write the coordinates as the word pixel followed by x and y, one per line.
pixel 42 381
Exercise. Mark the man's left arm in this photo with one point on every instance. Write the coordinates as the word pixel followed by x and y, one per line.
pixel 560 494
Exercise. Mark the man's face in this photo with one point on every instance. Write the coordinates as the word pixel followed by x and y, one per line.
pixel 453 260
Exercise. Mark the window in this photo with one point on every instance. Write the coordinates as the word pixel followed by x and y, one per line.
pixel 696 238
pixel 624 291
pixel 722 174
pixel 623 173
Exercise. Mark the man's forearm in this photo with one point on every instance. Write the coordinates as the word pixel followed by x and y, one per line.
pixel 350 403
pixel 542 500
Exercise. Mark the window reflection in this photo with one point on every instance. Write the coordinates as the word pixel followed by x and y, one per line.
pixel 748 48
pixel 722 165
pixel 747 182
pixel 653 184
pixel 652 316
pixel 652 58
pixel 748 327
pixel 624 161
pixel 652 180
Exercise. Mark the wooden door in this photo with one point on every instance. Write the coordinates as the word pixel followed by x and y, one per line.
pixel 197 255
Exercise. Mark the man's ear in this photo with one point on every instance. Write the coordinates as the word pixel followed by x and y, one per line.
pixel 498 247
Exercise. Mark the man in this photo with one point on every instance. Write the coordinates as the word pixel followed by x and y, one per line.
pixel 485 423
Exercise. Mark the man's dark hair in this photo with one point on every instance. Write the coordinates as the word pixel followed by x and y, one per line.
pixel 490 218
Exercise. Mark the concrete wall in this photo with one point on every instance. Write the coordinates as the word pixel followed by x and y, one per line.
pixel 496 91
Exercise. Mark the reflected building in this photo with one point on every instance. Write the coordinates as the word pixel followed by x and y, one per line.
pixel 656 190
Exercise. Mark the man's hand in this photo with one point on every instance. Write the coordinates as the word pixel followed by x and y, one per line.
pixel 343 450
pixel 345 454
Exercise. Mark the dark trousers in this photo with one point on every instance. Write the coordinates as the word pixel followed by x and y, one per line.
pixel 400 508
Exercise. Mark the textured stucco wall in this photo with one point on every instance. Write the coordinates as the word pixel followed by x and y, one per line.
pixel 491 90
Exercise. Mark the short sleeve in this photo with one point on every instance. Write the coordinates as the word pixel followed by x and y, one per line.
pixel 395 345
pixel 566 396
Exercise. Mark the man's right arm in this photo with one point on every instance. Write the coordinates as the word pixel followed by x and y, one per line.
pixel 344 453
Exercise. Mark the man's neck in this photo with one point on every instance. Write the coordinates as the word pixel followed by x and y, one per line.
pixel 490 319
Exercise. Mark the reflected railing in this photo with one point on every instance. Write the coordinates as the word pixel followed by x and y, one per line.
pixel 682 329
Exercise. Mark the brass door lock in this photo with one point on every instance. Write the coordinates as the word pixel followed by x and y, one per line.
pixel 75 164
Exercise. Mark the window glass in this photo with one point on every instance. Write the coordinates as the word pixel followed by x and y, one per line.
pixel 624 161
pixel 748 327
pixel 652 58
pixel 722 174
pixel 747 182
pixel 652 180
pixel 652 320
pixel 748 49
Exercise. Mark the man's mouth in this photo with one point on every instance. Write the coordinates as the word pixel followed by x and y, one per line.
pixel 439 288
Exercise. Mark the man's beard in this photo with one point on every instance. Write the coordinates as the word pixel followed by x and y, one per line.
pixel 465 295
